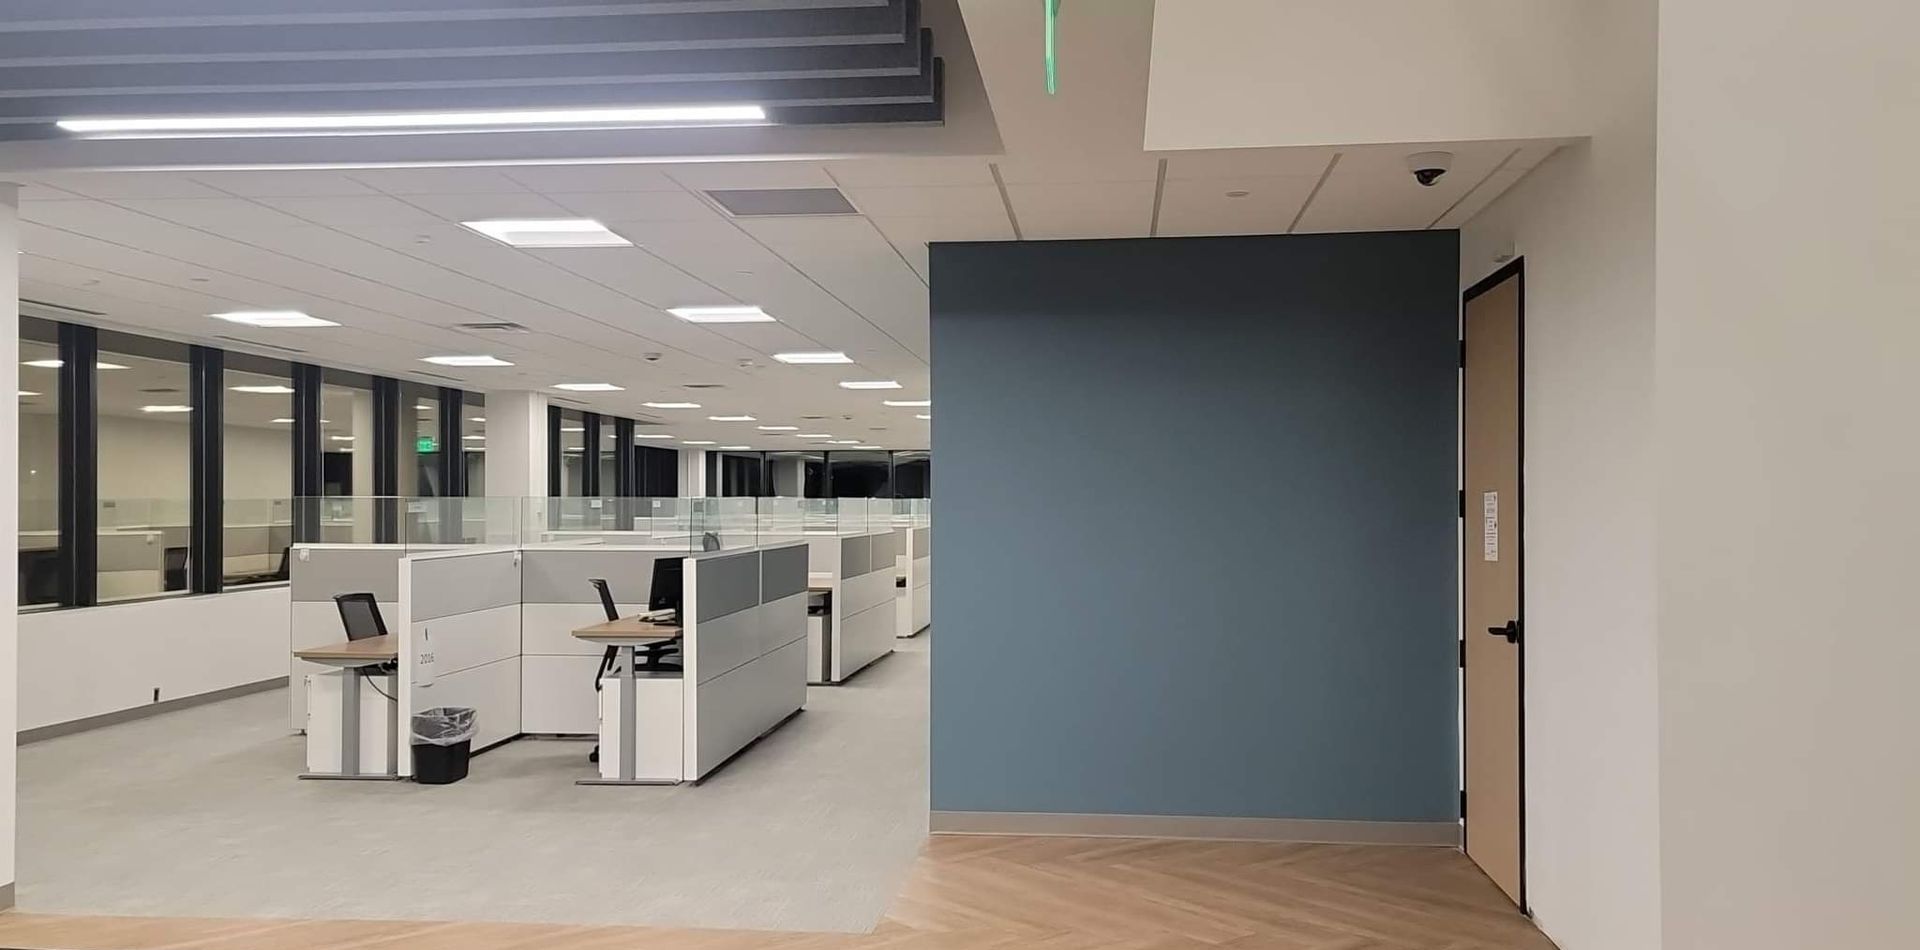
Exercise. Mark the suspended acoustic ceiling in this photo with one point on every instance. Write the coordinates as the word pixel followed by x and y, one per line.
pixel 800 62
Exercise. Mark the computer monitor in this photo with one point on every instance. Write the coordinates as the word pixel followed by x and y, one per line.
pixel 667 585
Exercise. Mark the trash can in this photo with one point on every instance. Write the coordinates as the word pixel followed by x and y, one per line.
pixel 442 743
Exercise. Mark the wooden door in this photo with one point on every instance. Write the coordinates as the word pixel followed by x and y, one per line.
pixel 1491 575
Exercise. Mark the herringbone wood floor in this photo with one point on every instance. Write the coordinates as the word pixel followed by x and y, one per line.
pixel 985 893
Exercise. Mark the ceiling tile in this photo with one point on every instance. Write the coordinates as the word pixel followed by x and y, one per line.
pixel 116 185
pixel 1114 169
pixel 716 175
pixel 1246 162
pixel 437 181
pixel 1201 206
pixel 562 179
pixel 609 206
pixel 924 202
pixel 1059 211
pixel 911 172
pixel 357 211
pixel 479 207
pixel 283 184
pixel 214 214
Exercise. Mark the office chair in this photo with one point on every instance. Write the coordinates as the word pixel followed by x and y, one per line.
pixel 655 657
pixel 360 615
pixel 39 577
pixel 173 569
pixel 709 541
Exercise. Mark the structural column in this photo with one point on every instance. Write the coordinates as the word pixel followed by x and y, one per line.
pixel 517 454
pixel 9 524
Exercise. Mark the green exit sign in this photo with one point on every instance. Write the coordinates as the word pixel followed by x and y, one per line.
pixel 426 443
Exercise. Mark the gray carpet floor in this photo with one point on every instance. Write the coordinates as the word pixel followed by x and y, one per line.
pixel 197 813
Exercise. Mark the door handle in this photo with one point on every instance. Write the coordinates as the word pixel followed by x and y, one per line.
pixel 1511 631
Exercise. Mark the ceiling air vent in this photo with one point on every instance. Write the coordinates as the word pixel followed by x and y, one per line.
pixel 703 386
pixel 59 309
pixel 264 346
pixel 500 326
pixel 158 390
pixel 781 202
pixel 449 379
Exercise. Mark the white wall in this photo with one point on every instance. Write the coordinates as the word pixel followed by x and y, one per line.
pixel 9 523
pixel 1257 73
pixel 94 660
pixel 148 458
pixel 1584 222
pixel 1788 381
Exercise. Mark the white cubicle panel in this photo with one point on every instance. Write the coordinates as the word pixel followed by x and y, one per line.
pixel 132 562
pixel 864 622
pixel 745 649
pixel 459 624
pixel 318 572
pixel 914 564
pixel 557 668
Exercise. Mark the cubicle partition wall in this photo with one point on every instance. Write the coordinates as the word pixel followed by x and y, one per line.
pixel 557 669
pixel 745 652
pixel 859 568
pixel 459 628
pixel 318 572
pixel 913 603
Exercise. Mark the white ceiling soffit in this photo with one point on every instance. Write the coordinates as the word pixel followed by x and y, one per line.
pixel 836 77
pixel 1258 73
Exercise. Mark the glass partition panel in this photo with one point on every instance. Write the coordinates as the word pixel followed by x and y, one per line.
pixel 256 535
pixel 725 524
pixel 39 463
pixel 473 441
pixel 860 474
pixel 451 521
pixel 144 440
pixel 420 453
pixel 572 454
pixel 781 520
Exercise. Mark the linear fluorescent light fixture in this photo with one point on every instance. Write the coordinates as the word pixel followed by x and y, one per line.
pixel 589 387
pixel 166 408
pixel 730 419
pixel 548 232
pixel 924 417
pixel 474 438
pixel 741 314
pixel 813 435
pixel 464 361
pixel 866 446
pixel 25 394
pixel 869 384
pixel 736 448
pixel 282 422
pixel 690 442
pixel 350 123
pixel 812 359
pixel 907 403
pixel 573 428
pixel 671 405
pixel 341 438
pixel 778 428
pixel 478 419
pixel 844 442
pixel 651 435
pixel 56 364
pixel 274 319
pixel 274 390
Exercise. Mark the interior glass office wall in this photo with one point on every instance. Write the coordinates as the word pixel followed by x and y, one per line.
pixel 736 474
pixel 572 455
pixel 609 452
pixel 39 403
pixel 256 449
pixel 473 442
pixel 346 422
pixel 419 451
pixel 144 441
pixel 659 470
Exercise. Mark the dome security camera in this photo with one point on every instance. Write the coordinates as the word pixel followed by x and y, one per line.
pixel 1427 167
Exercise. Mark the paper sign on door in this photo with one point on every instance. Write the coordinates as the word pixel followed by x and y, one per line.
pixel 1490 526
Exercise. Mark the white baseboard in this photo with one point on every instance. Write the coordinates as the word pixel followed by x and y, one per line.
pixel 1426 833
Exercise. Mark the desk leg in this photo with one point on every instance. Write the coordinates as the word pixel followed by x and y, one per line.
pixel 350 723
pixel 628 740
pixel 350 738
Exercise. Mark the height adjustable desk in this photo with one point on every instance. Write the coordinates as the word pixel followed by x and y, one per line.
pixel 626 634
pixel 350 656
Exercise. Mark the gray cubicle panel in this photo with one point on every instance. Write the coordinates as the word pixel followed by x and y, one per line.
pixel 865 623
pixel 558 669
pixel 318 572
pixel 913 600
pixel 745 651
pixel 459 618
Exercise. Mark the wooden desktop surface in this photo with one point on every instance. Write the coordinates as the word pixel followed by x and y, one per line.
pixel 372 650
pixel 627 629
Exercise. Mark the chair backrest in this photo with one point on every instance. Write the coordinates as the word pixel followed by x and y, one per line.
pixel 709 541
pixel 606 597
pixel 360 615
pixel 173 569
pixel 285 570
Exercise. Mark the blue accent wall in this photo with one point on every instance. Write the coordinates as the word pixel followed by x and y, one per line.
pixel 1196 526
